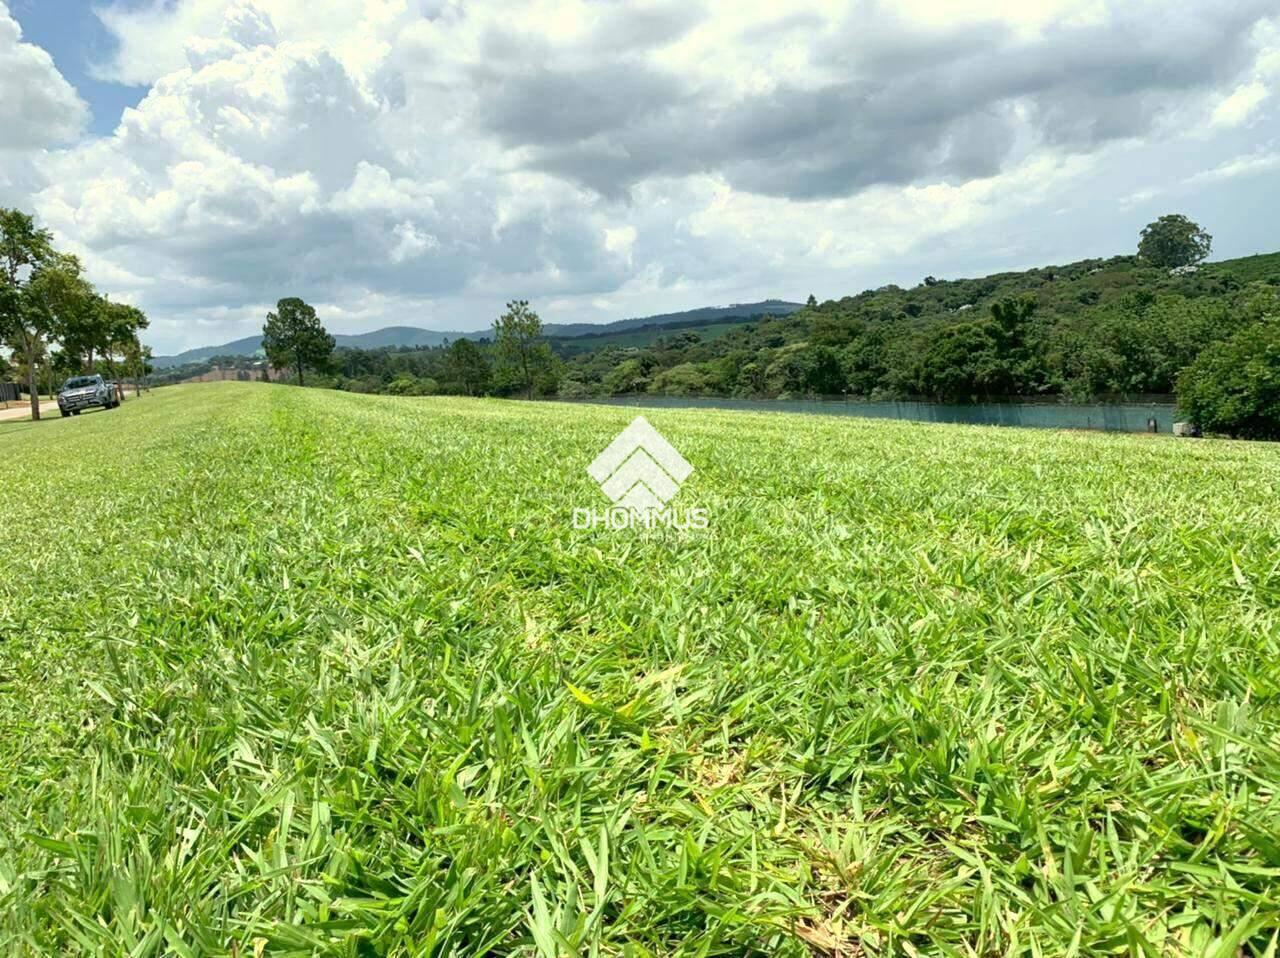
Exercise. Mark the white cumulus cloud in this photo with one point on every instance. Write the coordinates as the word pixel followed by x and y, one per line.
pixel 38 106
pixel 38 109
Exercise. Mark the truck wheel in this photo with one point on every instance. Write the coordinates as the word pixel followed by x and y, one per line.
pixel 75 412
pixel 65 414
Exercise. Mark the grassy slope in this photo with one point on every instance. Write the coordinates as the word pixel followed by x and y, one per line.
pixel 333 669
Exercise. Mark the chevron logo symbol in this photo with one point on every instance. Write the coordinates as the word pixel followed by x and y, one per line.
pixel 640 470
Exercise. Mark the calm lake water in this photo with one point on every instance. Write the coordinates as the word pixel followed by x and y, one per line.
pixel 1126 417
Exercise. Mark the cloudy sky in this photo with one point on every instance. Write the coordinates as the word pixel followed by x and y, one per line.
pixel 420 162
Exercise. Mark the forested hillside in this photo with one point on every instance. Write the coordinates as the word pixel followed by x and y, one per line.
pixel 1096 328
pixel 1106 329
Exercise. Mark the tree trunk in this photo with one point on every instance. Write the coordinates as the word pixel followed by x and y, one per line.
pixel 115 380
pixel 29 352
pixel 300 372
pixel 31 385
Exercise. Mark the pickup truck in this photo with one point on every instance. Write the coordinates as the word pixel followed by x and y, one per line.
pixel 81 392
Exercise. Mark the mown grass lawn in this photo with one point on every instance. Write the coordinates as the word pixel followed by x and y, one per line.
pixel 313 673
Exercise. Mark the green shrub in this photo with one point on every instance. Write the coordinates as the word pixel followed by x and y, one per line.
pixel 1233 387
pixel 404 386
pixel 687 379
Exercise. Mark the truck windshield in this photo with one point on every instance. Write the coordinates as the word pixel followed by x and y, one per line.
pixel 75 382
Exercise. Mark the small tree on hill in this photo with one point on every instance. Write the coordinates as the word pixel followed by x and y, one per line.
pixel 294 339
pixel 1173 241
pixel 518 337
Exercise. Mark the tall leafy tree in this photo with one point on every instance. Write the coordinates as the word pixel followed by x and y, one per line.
pixel 123 323
pixel 293 338
pixel 955 364
pixel 520 343
pixel 24 323
pixel 1011 369
pixel 82 315
pixel 1173 241
pixel 86 324
pixel 1233 387
pixel 137 358
pixel 467 365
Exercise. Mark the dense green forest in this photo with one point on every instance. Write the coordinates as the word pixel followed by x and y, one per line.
pixel 1094 329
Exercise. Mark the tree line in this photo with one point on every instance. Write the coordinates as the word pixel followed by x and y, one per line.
pixel 517 360
pixel 53 322
pixel 1156 323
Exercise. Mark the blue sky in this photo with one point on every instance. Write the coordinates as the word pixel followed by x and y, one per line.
pixel 76 39
pixel 417 162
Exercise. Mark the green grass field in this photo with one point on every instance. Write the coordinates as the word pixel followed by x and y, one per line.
pixel 300 672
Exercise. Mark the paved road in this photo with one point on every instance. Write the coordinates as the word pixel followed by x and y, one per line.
pixel 22 410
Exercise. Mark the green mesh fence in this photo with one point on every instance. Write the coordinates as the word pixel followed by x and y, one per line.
pixel 1123 417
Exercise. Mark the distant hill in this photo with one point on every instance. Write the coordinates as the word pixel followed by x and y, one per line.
pixel 240 347
pixel 378 339
pixel 690 317
pixel 398 336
